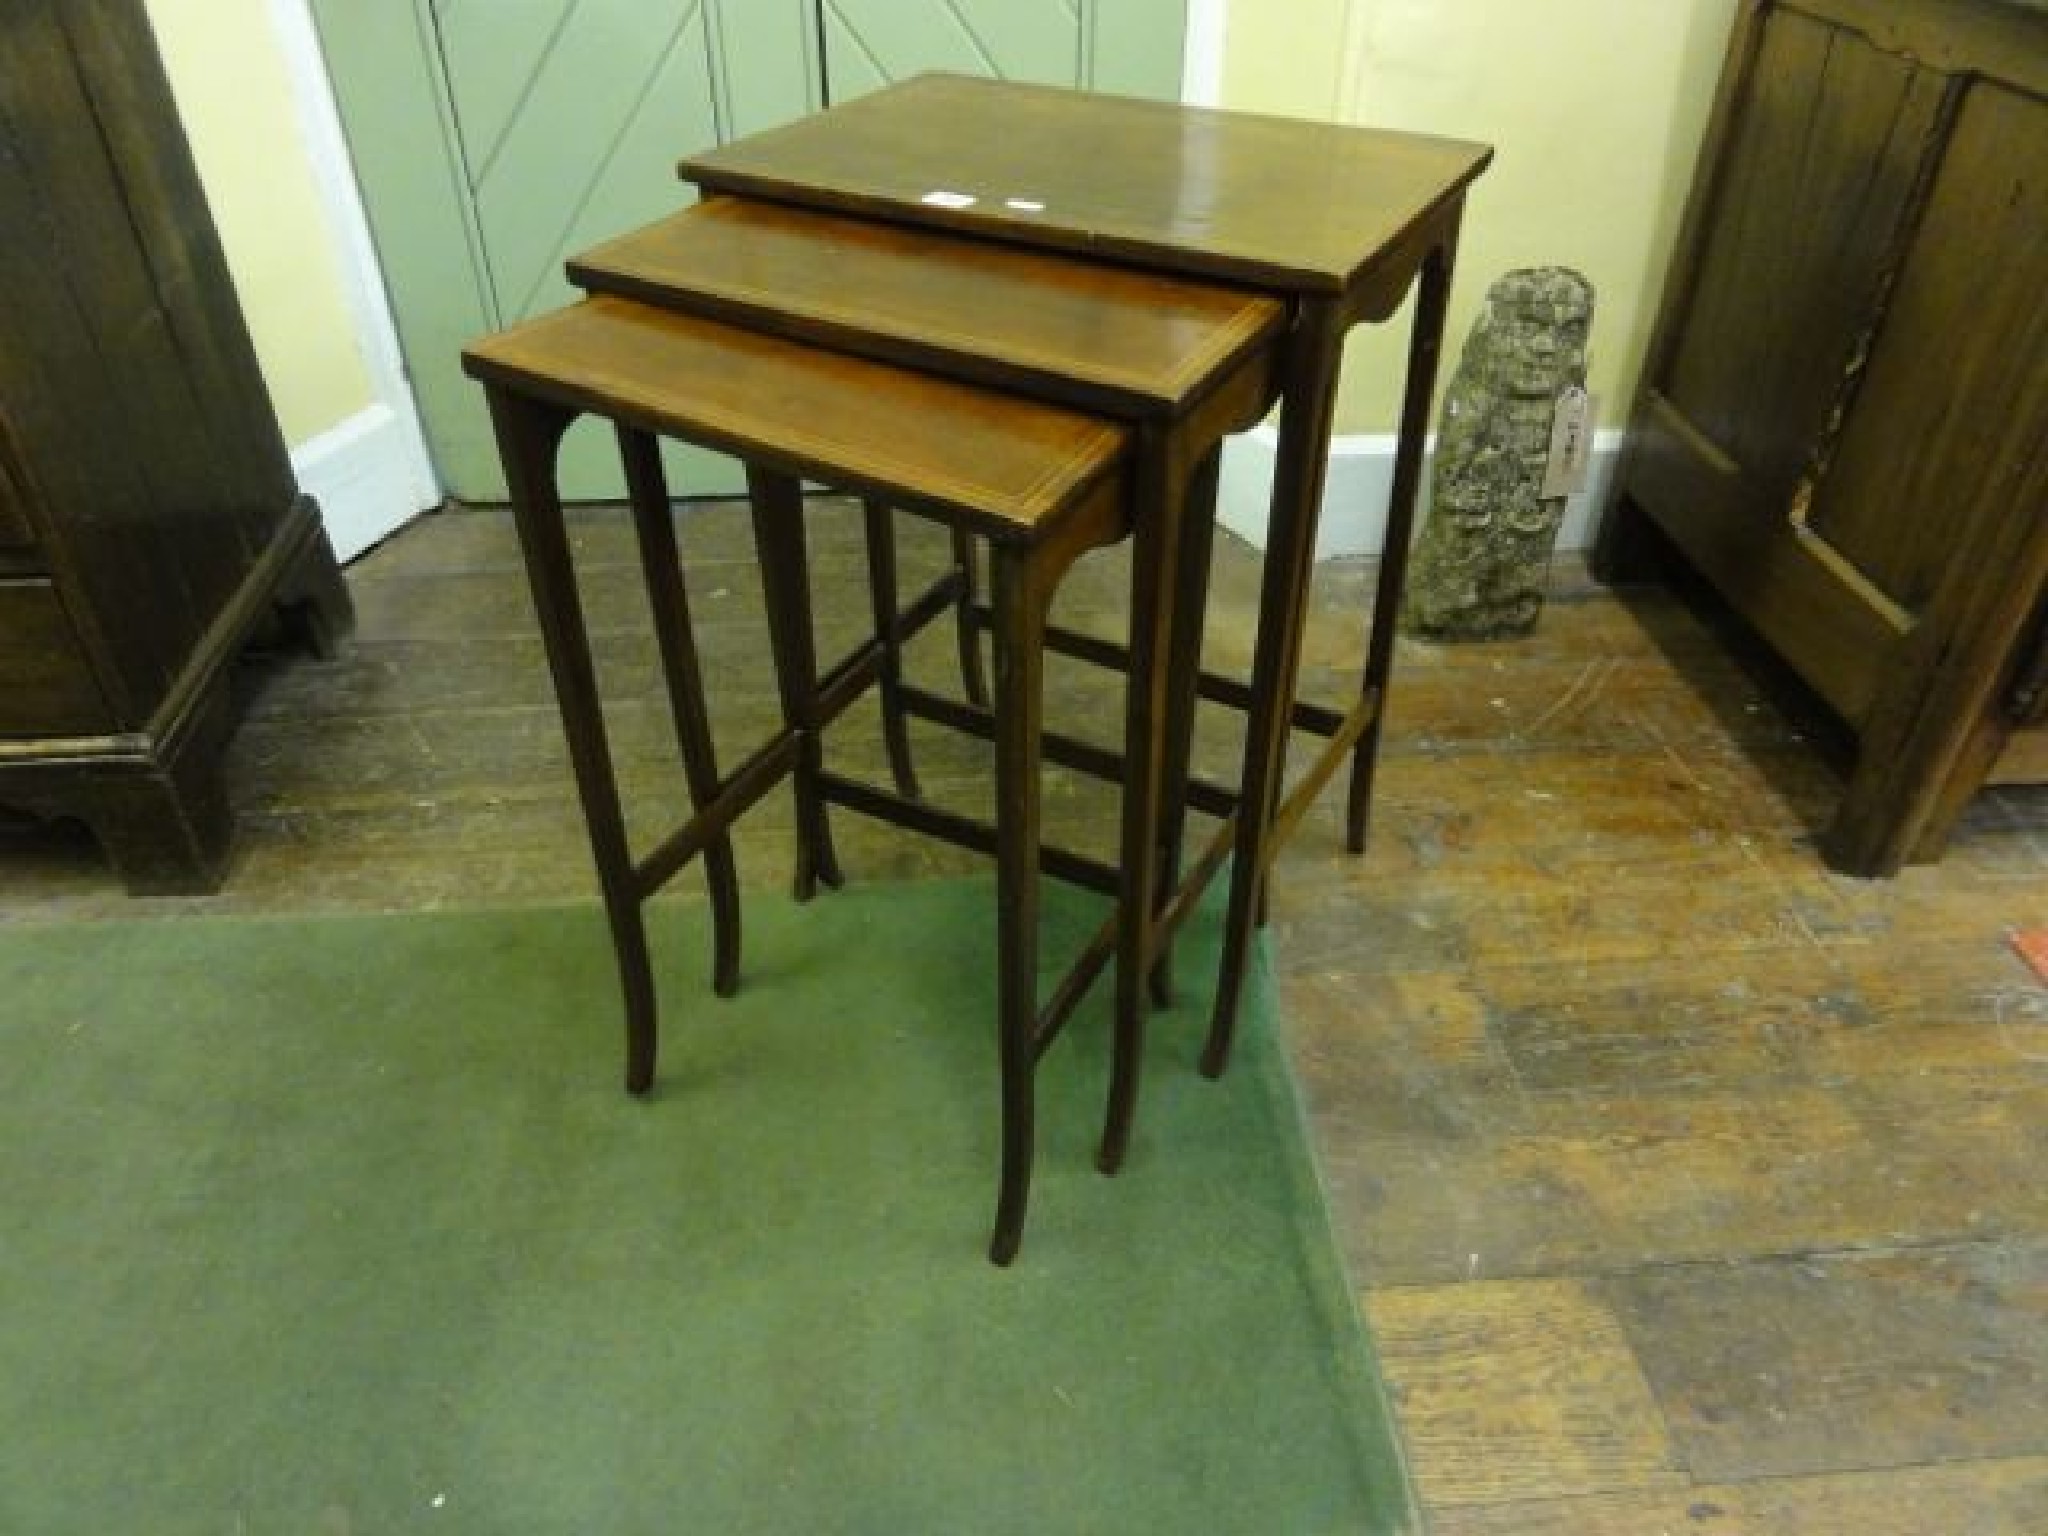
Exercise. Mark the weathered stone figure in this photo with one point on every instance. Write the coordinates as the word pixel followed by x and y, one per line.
pixel 1480 566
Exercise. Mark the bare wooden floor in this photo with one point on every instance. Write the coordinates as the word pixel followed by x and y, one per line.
pixel 1691 1188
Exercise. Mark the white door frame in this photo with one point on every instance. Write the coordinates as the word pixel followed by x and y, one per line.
pixel 371 473
pixel 1201 60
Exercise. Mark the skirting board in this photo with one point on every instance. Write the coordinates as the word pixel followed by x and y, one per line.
pixel 1355 492
pixel 367 478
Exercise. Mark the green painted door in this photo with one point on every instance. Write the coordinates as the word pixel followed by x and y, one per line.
pixel 494 138
pixel 1129 47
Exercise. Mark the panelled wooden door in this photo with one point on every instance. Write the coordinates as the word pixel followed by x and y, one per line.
pixel 492 138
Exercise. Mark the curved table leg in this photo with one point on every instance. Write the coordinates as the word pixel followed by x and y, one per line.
pixel 528 434
pixel 972 678
pixel 1152 696
pixel 1314 353
pixel 1425 346
pixel 1183 671
pixel 1020 615
pixel 778 507
pixel 881 541
pixel 681 671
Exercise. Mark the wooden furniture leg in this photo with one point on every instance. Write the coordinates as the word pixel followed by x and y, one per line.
pixel 778 508
pixel 973 678
pixel 669 604
pixel 313 597
pixel 881 540
pixel 1020 602
pixel 1149 700
pixel 1308 392
pixel 529 432
pixel 1183 673
pixel 1425 347
pixel 164 819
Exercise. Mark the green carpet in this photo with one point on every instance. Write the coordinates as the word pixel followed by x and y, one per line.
pixel 343 1225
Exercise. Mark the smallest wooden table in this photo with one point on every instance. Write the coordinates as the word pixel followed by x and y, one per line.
pixel 1041 485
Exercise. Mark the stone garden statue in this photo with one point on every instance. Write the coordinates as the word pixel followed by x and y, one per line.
pixel 1482 561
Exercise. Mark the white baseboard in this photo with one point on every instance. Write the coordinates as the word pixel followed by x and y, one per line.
pixel 1360 479
pixel 366 476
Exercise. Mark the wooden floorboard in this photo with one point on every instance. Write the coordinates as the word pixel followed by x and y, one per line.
pixel 1688 1186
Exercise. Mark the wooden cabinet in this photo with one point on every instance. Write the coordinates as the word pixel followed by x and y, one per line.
pixel 1844 421
pixel 148 515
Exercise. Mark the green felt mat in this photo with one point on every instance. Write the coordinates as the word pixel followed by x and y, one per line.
pixel 345 1225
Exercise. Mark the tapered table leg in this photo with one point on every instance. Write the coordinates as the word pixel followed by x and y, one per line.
pixel 778 507
pixel 683 675
pixel 973 678
pixel 1155 550
pixel 881 541
pixel 1308 393
pixel 1183 669
pixel 528 434
pixel 1425 347
pixel 1020 610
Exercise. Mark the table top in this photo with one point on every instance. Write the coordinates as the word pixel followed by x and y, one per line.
pixel 1282 204
pixel 1007 467
pixel 1100 337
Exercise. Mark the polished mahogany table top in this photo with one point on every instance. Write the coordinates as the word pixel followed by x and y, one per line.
pixel 997 463
pixel 1115 340
pixel 1275 203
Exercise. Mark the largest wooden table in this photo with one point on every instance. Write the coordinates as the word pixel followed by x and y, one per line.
pixel 1341 222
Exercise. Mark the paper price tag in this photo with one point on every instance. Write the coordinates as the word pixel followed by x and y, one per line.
pixel 1571 445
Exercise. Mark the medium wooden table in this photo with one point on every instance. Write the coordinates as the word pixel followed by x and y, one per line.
pixel 1178 363
pixel 1340 222
pixel 1041 485
pixel 746 347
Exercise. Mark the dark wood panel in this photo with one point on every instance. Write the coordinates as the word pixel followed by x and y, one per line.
pixel 1998 39
pixel 1942 480
pixel 137 368
pixel 1955 400
pixel 1806 602
pixel 46 687
pixel 248 475
pixel 1808 220
pixel 1850 344
pixel 52 379
pixel 148 515
pixel 16 531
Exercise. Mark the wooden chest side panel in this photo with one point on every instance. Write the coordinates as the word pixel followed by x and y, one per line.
pixel 1955 401
pixel 1809 215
